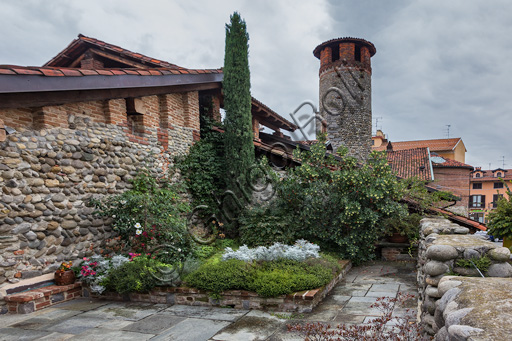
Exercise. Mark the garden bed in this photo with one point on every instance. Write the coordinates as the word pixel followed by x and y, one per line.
pixel 303 301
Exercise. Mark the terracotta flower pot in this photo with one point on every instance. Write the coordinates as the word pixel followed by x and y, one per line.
pixel 64 277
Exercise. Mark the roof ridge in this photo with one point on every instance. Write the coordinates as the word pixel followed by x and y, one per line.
pixel 115 48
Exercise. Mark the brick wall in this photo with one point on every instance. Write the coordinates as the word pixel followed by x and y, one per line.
pixel 455 180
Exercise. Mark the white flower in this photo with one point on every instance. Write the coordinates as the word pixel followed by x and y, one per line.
pixel 138 232
pixel 114 216
pixel 138 226
pixel 179 250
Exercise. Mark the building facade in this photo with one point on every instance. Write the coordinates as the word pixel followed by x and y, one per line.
pixel 485 189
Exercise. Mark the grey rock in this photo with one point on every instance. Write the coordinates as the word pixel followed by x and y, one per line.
pixel 441 252
pixel 31 235
pixel 68 224
pixel 458 332
pixel 501 254
pixel 435 268
pixel 500 270
pixel 22 228
pixel 454 317
pixel 59 197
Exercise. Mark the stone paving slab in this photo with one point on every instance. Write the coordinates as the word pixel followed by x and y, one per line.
pixel 82 304
pixel 256 325
pixel 154 324
pixel 111 335
pixel 75 325
pixel 192 329
pixel 224 314
pixel 125 311
pixel 15 334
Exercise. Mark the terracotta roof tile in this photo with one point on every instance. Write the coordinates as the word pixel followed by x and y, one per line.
pixel 68 72
pixel 434 145
pixel 51 72
pixel 87 72
pixel 449 163
pixel 410 163
pixel 104 72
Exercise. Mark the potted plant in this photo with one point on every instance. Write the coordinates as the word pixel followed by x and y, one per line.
pixel 64 274
pixel 402 229
pixel 499 224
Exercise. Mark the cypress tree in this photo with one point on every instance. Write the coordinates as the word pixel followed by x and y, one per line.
pixel 239 147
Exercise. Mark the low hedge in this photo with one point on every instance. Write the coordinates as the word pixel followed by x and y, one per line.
pixel 267 279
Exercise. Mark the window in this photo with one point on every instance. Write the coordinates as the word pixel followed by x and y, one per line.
pixel 498 175
pixel 495 199
pixel 477 185
pixel 477 175
pixel 357 54
pixel 477 217
pixel 498 185
pixel 335 53
pixel 477 201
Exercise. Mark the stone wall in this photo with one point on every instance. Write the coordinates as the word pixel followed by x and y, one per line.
pixel 442 243
pixel 62 156
pixel 349 119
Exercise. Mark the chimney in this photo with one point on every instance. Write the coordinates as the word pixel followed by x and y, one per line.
pixel 345 93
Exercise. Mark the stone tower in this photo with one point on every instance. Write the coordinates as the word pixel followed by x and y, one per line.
pixel 345 94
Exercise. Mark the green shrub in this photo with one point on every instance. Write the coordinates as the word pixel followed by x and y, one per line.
pixel 284 277
pixel 148 215
pixel 138 275
pixel 203 252
pixel 268 279
pixel 483 263
pixel 203 168
pixel 217 276
pixel 339 203
pixel 406 226
pixel 261 226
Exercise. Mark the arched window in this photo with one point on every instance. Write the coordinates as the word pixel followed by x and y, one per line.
pixel 498 174
pixel 477 175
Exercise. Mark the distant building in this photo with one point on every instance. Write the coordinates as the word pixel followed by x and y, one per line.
pixel 486 188
pixel 452 176
pixel 452 149
pixel 434 161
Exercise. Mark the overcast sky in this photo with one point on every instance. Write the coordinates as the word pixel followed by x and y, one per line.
pixel 438 63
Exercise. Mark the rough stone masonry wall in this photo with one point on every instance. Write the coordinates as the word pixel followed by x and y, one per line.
pixel 62 156
pixel 442 243
pixel 350 120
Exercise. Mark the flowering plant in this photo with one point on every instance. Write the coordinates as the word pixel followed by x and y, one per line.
pixel 65 266
pixel 150 214
pixel 94 270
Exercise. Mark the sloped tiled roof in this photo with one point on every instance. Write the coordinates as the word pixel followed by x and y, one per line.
pixel 410 163
pixel 64 72
pixel 83 43
pixel 277 119
pixel 448 163
pixel 77 72
pixel 435 145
